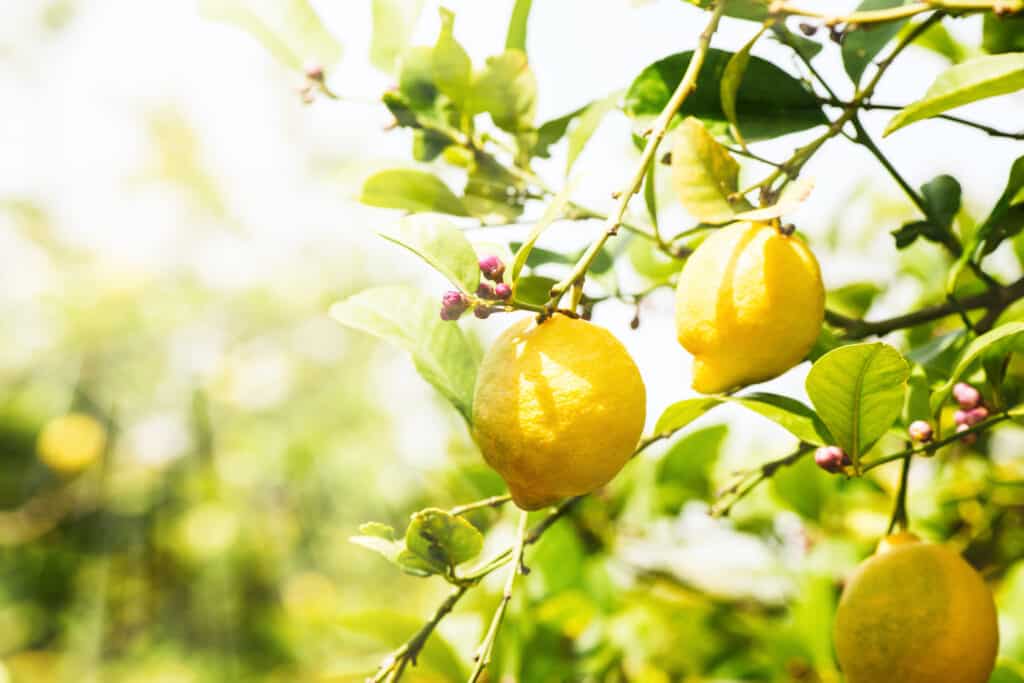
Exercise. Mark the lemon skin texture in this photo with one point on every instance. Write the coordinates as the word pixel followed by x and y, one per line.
pixel 70 443
pixel 916 613
pixel 558 409
pixel 749 306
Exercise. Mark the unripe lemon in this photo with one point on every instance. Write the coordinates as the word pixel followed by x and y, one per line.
pixel 749 306
pixel 916 613
pixel 558 410
pixel 72 442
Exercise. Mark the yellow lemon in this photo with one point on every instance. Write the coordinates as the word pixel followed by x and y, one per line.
pixel 749 306
pixel 72 442
pixel 558 410
pixel 916 613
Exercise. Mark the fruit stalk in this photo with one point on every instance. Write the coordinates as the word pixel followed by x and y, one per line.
pixel 657 133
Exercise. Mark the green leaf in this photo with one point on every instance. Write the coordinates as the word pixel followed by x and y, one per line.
pixel 515 39
pixel 453 70
pixel 804 487
pixel 682 413
pixel 416 191
pixel 794 194
pixel 552 131
pixel 289 29
pixel 858 392
pixel 803 46
pixel 1008 334
pixel 1007 216
pixel 441 245
pixel 553 211
pixel 853 300
pixel 974 80
pixel 493 194
pixel 789 413
pixel 389 549
pixel 918 392
pixel 442 539
pixel 769 102
pixel 752 10
pixel 428 144
pixel 534 289
pixel 407 318
pixel 393 24
pixel 942 200
pixel 507 90
pixel 1002 33
pixel 730 86
pixel 385 531
pixel 651 262
pixel 704 174
pixel 939 40
pixel 416 80
pixel 684 472
pixel 860 46
pixel 587 125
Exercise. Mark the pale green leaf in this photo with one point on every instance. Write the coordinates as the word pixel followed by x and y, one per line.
pixel 416 191
pixel 393 24
pixel 441 245
pixel 442 539
pixel 794 194
pixel 1009 334
pixel 704 174
pixel 453 69
pixel 682 413
pixel 789 413
pixel 507 90
pixel 731 79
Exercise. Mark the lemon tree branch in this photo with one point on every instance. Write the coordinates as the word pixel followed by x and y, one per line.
pixel 656 134
pixel 782 8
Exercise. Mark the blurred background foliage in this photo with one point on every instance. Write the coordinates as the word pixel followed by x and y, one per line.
pixel 190 522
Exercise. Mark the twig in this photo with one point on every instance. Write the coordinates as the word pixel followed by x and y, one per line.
pixel 937 444
pixel 483 654
pixel 748 480
pixel 687 85
pixel 781 8
pixel 492 502
pixel 873 106
pixel 899 510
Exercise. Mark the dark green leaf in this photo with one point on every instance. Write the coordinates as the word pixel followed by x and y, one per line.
pixel 416 191
pixel 866 40
pixel 441 245
pixel 393 24
pixel 515 39
pixel 682 413
pixel 684 472
pixel 427 144
pixel 789 413
pixel 552 131
pixel 804 46
pixel 1007 216
pixel 442 539
pixel 769 101
pixel 858 391
pixel 507 90
pixel 1002 33
pixel 974 80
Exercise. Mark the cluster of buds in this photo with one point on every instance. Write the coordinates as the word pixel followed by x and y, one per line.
pixel 832 459
pixel 972 410
pixel 454 304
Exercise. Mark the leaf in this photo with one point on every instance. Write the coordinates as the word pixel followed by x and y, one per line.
pixel 651 262
pixel 752 10
pixel 852 300
pixel 974 80
pixel 769 102
pixel 390 550
pixel 587 125
pixel 515 39
pixel 794 194
pixel 493 194
pixel 789 413
pixel 553 211
pixel 939 40
pixel 393 24
pixel 730 86
pixel 385 531
pixel 416 82
pixel 428 144
pixel 552 131
pixel 1007 216
pixel 942 200
pixel 534 289
pixel 858 392
pixel 1008 334
pixel 441 245
pixel 803 46
pixel 416 191
pixel 407 318
pixel 452 67
pixel 442 539
pixel 1002 33
pixel 804 487
pixel 684 472
pixel 860 46
pixel 682 413
pixel 289 29
pixel 704 174
pixel 507 90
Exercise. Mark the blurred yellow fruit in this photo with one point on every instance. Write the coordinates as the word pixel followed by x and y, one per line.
pixel 916 613
pixel 749 306
pixel 72 442
pixel 558 410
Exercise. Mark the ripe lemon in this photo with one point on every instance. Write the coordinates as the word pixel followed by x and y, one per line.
pixel 72 442
pixel 916 613
pixel 749 306
pixel 558 410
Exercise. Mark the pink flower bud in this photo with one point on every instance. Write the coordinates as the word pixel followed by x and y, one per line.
pixel 920 431
pixel 831 458
pixel 960 417
pixel 967 396
pixel 502 291
pixel 485 291
pixel 492 268
pixel 979 414
pixel 482 312
pixel 453 305
pixel 314 72
pixel 968 439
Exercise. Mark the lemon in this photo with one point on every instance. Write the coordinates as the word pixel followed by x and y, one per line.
pixel 749 306
pixel 72 442
pixel 916 613
pixel 558 409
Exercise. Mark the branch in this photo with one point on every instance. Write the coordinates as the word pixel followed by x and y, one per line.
pixel 871 106
pixel 392 668
pixel 483 654
pixel 782 8
pixel 492 502
pixel 992 299
pixel 939 443
pixel 611 226
pixel 748 480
